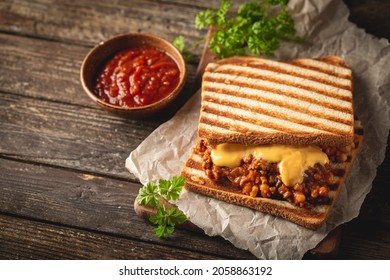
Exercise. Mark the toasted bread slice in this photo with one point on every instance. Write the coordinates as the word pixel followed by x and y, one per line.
pixel 197 181
pixel 254 101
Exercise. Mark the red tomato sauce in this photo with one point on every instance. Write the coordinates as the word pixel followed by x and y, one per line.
pixel 137 77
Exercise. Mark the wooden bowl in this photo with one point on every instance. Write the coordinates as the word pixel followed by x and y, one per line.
pixel 100 54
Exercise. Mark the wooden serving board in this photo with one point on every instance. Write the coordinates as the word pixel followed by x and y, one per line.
pixel 327 248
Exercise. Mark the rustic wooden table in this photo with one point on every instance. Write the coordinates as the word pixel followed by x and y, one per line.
pixel 64 189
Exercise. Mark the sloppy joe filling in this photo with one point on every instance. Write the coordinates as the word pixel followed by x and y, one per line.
pixel 258 177
pixel 292 160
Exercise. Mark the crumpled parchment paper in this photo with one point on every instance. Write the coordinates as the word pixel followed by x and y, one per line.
pixel 327 32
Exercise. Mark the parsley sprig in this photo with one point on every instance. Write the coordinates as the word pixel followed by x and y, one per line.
pixel 153 195
pixel 258 27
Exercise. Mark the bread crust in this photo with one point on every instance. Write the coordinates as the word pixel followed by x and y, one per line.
pixel 299 139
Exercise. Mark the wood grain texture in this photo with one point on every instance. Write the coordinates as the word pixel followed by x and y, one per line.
pixel 23 239
pixel 88 22
pixel 371 15
pixel 64 190
pixel 89 202
pixel 68 135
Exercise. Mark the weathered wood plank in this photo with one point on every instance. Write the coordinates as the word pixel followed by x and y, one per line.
pixel 67 135
pixel 88 22
pixel 84 201
pixel 372 15
pixel 23 239
pixel 365 240
pixel 42 69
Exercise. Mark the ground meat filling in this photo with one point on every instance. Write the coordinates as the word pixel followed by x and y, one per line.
pixel 261 178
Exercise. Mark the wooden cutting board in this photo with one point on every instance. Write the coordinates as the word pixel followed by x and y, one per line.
pixel 327 248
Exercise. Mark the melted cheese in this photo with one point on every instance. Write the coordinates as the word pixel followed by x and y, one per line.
pixel 292 160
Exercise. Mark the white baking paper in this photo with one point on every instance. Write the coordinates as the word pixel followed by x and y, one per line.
pixel 327 32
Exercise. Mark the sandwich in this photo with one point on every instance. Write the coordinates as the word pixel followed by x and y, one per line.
pixel 277 137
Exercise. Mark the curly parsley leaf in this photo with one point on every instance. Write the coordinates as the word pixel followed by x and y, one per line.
pixel 148 195
pixel 164 187
pixel 276 2
pixel 175 216
pixel 179 43
pixel 254 28
pixel 162 230
pixel 212 17
pixel 153 195
pixel 177 185
pixel 166 220
pixel 220 14
pixel 171 189
pixel 160 219
pixel 204 19
pixel 252 12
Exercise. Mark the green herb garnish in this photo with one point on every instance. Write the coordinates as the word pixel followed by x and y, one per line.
pixel 179 43
pixel 258 27
pixel 152 195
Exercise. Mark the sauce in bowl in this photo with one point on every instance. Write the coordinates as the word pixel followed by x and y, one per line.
pixel 137 77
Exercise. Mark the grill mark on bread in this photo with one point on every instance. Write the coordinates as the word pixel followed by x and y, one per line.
pixel 244 115
pixel 280 113
pixel 324 65
pixel 322 110
pixel 213 117
pixel 341 81
pixel 282 76
pixel 257 105
pixel 332 72
pixel 255 92
pixel 195 162
pixel 280 87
